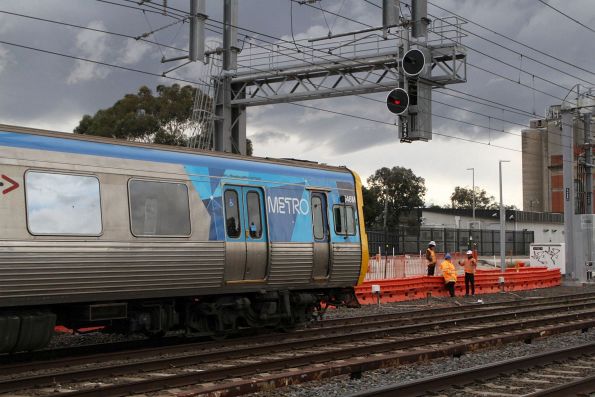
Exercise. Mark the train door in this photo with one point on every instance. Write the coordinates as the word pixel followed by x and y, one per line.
pixel 246 255
pixel 321 236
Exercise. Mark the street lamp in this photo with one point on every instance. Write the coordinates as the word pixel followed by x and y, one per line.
pixel 473 171
pixel 502 223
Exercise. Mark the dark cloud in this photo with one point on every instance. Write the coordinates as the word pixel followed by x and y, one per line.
pixel 266 137
pixel 42 90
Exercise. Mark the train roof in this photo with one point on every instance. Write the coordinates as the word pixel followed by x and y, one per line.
pixel 111 147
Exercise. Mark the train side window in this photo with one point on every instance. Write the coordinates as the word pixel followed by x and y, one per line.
pixel 254 215
pixel 344 218
pixel 232 214
pixel 63 204
pixel 159 208
pixel 317 218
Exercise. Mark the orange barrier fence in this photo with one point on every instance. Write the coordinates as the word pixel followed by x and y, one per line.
pixel 399 266
pixel 486 282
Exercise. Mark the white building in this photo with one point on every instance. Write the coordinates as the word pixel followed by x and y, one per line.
pixel 547 227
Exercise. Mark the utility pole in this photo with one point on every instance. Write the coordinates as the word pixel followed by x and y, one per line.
pixel 588 186
pixel 472 169
pixel 588 165
pixel 230 131
pixel 502 223
pixel 568 176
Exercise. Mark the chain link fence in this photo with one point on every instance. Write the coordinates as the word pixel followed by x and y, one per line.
pixel 408 240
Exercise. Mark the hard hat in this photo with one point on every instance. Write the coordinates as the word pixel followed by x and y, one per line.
pixel 447 256
pixel 432 243
pixel 469 252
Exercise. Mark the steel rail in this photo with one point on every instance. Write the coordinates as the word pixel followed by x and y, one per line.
pixel 586 319
pixel 312 367
pixel 423 386
pixel 310 337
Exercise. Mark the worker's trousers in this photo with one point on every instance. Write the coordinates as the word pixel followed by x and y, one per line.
pixel 450 286
pixel 469 279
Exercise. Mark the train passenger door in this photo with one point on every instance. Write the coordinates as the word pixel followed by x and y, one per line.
pixel 321 236
pixel 246 255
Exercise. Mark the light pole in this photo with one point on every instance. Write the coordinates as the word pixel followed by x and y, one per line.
pixel 502 223
pixel 473 179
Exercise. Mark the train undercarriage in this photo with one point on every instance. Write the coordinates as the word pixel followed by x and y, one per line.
pixel 217 316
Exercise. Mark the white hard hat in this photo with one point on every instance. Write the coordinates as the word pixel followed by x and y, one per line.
pixel 469 252
pixel 432 243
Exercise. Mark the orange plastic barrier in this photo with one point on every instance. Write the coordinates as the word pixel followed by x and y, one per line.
pixel 486 282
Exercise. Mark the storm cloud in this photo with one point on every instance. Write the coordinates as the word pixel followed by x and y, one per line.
pixel 48 91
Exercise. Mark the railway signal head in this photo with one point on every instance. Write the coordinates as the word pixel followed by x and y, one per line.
pixel 397 101
pixel 413 62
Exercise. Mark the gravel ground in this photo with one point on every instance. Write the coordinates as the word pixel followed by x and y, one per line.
pixel 343 385
pixel 60 340
pixel 421 304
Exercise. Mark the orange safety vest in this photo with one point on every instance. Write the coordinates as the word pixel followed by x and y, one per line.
pixel 448 271
pixel 470 265
pixel 431 257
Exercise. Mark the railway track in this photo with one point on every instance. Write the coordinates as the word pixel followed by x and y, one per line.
pixel 68 356
pixel 560 373
pixel 326 350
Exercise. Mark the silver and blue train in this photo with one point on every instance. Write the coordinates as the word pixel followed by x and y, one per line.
pixel 147 238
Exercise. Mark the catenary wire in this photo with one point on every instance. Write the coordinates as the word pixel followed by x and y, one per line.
pixel 293 104
pixel 445 117
pixel 132 37
pixel 507 48
pixel 515 41
pixel 567 16
pixel 262 34
pixel 475 66
pixel 191 82
pixel 489 128
pixel 88 28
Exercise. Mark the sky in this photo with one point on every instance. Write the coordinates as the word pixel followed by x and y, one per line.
pixel 43 90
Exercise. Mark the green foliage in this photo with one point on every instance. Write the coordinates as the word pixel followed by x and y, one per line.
pixel 163 118
pixel 372 208
pixel 399 188
pixel 462 197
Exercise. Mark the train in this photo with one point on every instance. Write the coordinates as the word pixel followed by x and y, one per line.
pixel 143 238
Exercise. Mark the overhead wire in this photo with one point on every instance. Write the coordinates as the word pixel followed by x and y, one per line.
pixel 445 117
pixel 514 40
pixel 489 128
pixel 567 16
pixel 188 81
pixel 466 31
pixel 475 66
pixel 88 28
pixel 350 19
pixel 437 133
pixel 337 15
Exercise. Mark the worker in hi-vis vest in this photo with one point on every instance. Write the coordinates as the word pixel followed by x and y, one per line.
pixel 431 257
pixel 449 273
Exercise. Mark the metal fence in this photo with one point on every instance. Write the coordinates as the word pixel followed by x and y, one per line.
pixel 391 267
pixel 407 240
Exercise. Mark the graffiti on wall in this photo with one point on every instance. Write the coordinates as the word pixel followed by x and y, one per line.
pixel 549 255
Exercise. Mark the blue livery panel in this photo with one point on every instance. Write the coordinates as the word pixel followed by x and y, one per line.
pixel 286 187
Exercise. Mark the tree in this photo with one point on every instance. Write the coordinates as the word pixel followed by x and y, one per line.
pixel 164 118
pixel 400 189
pixel 372 208
pixel 462 197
